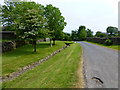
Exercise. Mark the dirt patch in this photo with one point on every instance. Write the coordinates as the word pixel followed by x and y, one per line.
pixel 80 74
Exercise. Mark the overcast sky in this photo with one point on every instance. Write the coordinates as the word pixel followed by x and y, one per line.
pixel 96 15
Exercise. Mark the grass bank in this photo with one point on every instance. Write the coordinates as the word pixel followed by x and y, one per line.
pixel 115 47
pixel 58 72
pixel 22 56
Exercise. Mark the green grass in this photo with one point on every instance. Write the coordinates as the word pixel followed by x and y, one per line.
pixel 13 60
pixel 58 72
pixel 4 40
pixel 115 47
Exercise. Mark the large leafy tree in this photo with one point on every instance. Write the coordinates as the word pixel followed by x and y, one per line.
pixel 89 33
pixel 32 28
pixel 112 31
pixel 74 35
pixel 56 22
pixel 82 34
pixel 27 20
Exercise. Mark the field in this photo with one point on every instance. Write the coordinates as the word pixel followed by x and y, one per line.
pixel 115 47
pixel 58 72
pixel 22 56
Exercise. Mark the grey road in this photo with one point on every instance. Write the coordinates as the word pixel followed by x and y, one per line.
pixel 100 66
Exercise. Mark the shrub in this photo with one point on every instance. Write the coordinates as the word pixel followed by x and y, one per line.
pixel 108 42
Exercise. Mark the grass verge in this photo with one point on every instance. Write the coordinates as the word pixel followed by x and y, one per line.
pixel 22 56
pixel 58 72
pixel 115 47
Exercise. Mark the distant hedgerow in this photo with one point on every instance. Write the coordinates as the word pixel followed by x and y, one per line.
pixel 108 42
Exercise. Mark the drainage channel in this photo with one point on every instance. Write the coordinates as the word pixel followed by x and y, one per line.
pixel 29 67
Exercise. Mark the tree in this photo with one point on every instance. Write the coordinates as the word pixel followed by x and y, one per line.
pixel 100 34
pixel 82 34
pixel 8 15
pixel 32 25
pixel 32 28
pixel 89 33
pixel 56 22
pixel 112 31
pixel 66 37
pixel 74 35
pixel 28 22
pixel 118 33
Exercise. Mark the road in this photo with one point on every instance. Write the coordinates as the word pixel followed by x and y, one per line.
pixel 100 66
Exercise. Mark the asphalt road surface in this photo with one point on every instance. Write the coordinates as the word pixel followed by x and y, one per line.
pixel 100 66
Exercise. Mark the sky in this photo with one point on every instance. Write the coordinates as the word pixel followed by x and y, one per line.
pixel 96 15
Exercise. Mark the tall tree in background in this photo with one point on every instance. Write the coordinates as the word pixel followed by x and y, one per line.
pixel 66 37
pixel 112 31
pixel 74 35
pixel 82 34
pixel 89 33
pixel 56 22
pixel 100 34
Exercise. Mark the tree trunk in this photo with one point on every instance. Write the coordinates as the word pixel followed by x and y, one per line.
pixel 34 45
pixel 53 41
pixel 50 43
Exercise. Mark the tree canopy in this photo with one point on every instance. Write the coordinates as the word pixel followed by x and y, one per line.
pixel 89 33
pixel 74 35
pixel 79 34
pixel 82 33
pixel 31 21
pixel 112 31
pixel 100 34
pixel 56 22
pixel 66 37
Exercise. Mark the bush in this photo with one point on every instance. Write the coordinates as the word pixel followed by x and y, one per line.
pixel 108 42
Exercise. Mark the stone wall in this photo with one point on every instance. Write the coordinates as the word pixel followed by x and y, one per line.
pixel 11 45
pixel 8 46
pixel 115 40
